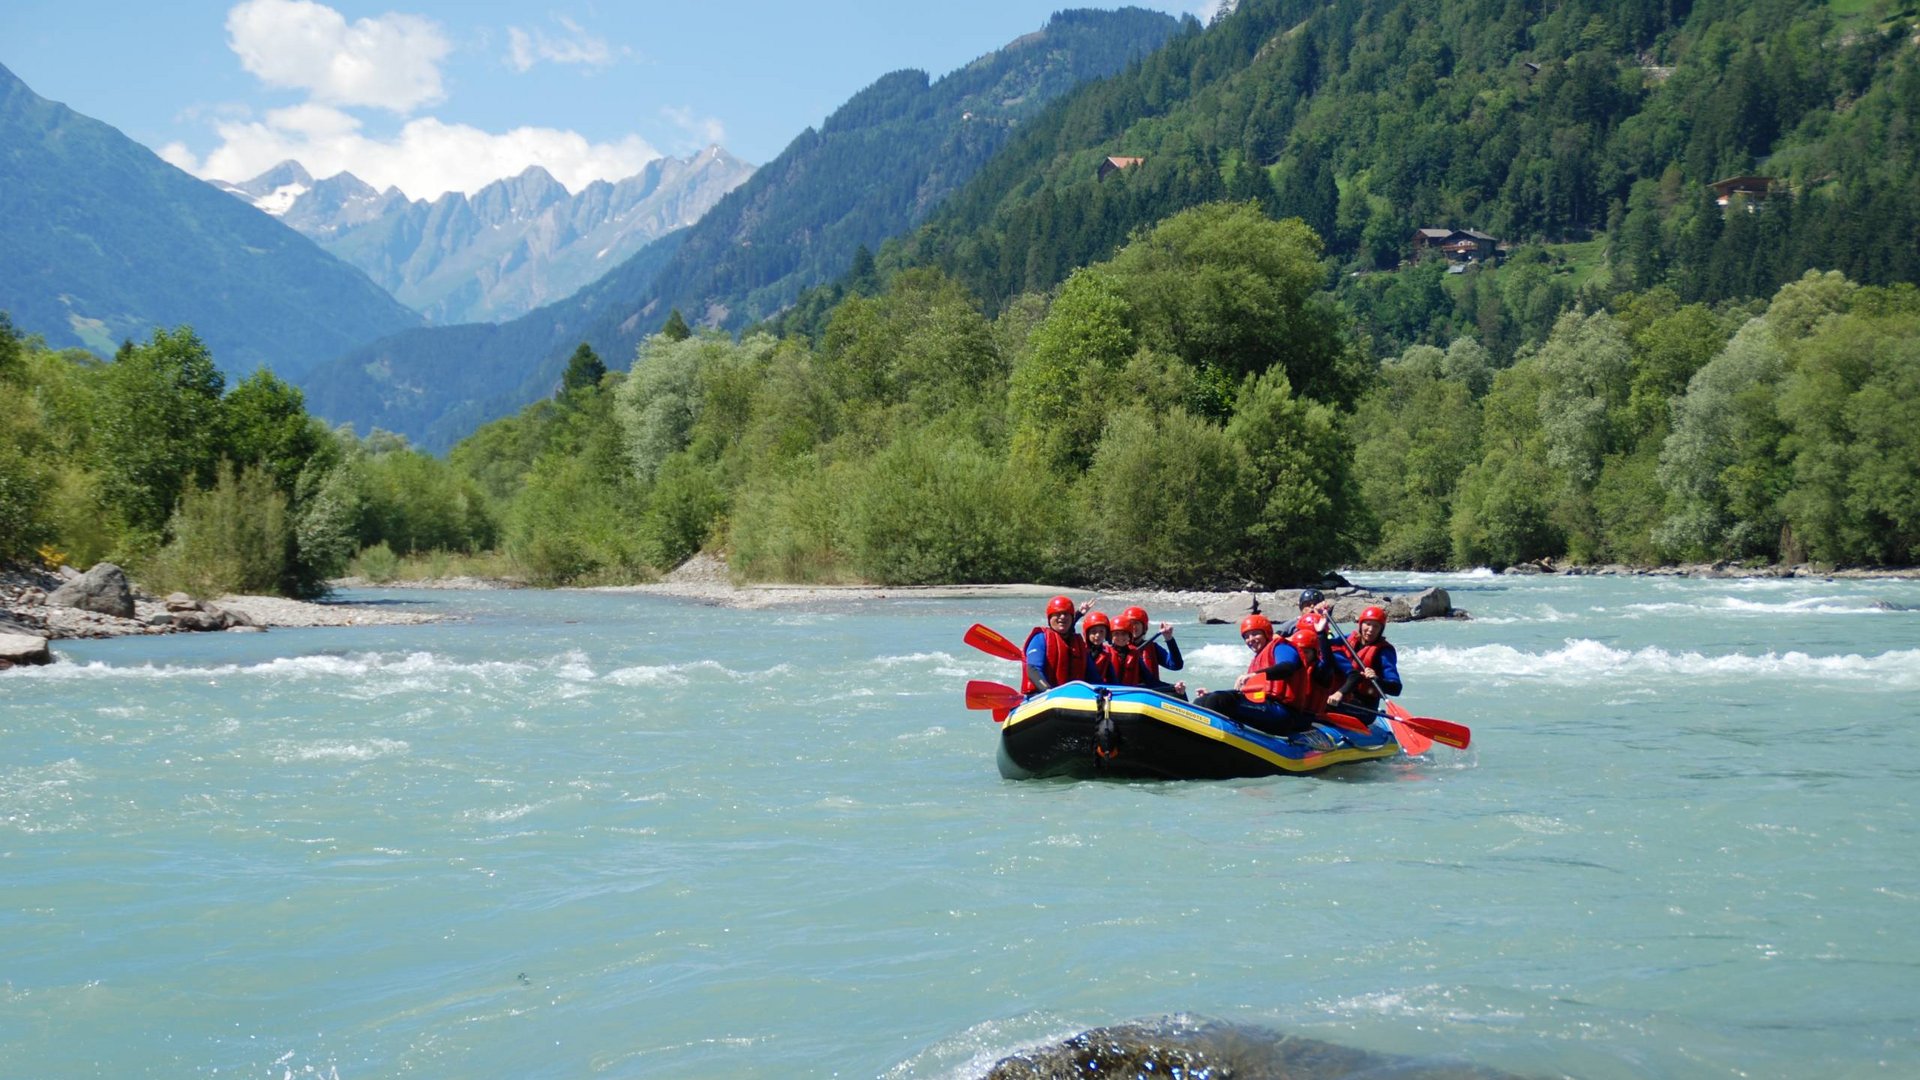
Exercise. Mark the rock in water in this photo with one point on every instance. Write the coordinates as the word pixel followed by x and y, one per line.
pixel 21 648
pixel 103 589
pixel 1431 604
pixel 1208 1050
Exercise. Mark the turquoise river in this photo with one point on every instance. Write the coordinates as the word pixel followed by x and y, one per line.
pixel 583 833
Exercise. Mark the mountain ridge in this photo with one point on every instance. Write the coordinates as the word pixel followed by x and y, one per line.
pixel 514 245
pixel 106 242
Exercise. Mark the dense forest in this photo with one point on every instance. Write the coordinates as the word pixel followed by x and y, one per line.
pixel 1220 365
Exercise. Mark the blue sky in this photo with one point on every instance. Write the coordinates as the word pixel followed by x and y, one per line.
pixel 437 95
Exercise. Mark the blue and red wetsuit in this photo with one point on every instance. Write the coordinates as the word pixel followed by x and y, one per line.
pixel 1350 657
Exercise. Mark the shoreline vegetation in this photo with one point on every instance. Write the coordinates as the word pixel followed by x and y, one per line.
pixel 704 579
pixel 1125 429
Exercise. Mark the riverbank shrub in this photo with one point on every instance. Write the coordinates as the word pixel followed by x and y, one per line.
pixel 230 537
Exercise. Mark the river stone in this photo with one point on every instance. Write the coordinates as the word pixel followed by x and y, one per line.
pixel 1185 1046
pixel 234 616
pixel 1431 604
pixel 103 590
pixel 180 601
pixel 1230 608
pixel 16 648
pixel 200 620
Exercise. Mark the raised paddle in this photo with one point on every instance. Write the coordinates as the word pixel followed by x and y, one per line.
pixel 1411 740
pixel 997 697
pixel 992 641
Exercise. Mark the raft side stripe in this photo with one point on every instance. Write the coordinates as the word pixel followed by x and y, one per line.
pixel 1200 723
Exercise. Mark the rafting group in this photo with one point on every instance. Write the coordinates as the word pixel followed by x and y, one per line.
pixel 1090 684
pixel 1297 676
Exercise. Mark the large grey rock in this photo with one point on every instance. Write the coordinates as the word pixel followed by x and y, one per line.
pixel 103 590
pixel 1431 604
pixel 1230 608
pixel 17 648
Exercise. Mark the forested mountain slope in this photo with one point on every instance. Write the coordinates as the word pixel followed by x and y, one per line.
pixel 873 169
pixel 104 242
pixel 1529 121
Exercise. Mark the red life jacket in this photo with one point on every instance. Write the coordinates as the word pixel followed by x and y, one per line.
pixel 1297 691
pixel 1066 659
pixel 1149 656
pixel 1364 691
pixel 1123 667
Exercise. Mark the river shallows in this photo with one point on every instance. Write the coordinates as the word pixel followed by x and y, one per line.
pixel 580 834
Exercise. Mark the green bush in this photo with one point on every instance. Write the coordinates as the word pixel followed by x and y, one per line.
pixel 233 537
pixel 933 509
pixel 1167 500
pixel 377 564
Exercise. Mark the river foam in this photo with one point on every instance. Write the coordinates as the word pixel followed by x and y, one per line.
pixel 1582 661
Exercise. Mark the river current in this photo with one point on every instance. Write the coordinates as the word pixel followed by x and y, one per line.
pixel 573 834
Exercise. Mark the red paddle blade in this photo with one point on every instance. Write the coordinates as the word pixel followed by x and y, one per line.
pixel 1412 743
pixel 1254 687
pixel 991 641
pixel 1346 723
pixel 1440 731
pixel 992 695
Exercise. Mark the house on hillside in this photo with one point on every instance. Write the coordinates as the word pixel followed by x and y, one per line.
pixel 1455 245
pixel 1752 188
pixel 1114 164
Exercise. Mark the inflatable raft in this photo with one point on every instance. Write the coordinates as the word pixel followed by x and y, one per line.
pixel 1079 730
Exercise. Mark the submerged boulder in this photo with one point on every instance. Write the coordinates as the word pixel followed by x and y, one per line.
pixel 103 590
pixel 1189 1047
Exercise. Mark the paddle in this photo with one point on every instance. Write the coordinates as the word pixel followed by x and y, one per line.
pixel 1441 731
pixel 993 642
pixel 998 697
pixel 1413 741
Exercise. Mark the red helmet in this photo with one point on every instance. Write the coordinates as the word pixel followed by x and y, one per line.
pixel 1374 614
pixel 1312 620
pixel 1304 637
pixel 1255 621
pixel 1139 617
pixel 1094 618
pixel 1125 623
pixel 1059 605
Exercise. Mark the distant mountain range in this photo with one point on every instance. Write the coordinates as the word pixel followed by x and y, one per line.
pixel 514 245
pixel 879 165
pixel 101 241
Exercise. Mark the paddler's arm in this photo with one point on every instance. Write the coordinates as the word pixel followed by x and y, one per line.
pixel 1388 677
pixel 1171 650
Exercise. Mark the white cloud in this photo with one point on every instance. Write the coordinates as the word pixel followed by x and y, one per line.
pixel 707 129
pixel 424 159
pixel 576 46
pixel 390 62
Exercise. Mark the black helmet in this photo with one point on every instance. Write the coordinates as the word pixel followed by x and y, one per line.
pixel 1309 597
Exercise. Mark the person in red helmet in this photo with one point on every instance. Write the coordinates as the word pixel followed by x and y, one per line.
pixel 1154 656
pixel 1055 653
pixel 1127 663
pixel 1369 663
pixel 1289 705
pixel 1098 630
